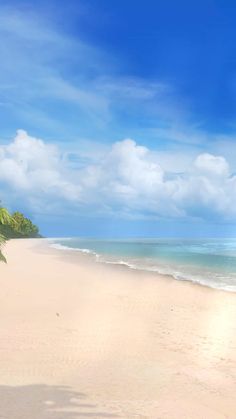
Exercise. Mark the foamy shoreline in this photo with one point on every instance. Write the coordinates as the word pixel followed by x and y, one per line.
pixel 165 273
pixel 103 341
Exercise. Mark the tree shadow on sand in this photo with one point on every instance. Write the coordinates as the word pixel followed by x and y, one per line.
pixel 47 402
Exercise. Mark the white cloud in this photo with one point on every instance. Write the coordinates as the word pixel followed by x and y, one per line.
pixel 126 178
pixel 212 165
pixel 32 167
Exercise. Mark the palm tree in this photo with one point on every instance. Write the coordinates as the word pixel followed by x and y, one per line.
pixel 5 218
pixel 2 242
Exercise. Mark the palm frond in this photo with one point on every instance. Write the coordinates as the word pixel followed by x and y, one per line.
pixel 2 242
pixel 2 257
pixel 5 216
pixel 5 219
pixel 2 239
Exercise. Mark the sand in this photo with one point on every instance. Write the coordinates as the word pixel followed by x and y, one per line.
pixel 80 339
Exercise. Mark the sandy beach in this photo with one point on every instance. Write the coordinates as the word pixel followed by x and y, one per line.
pixel 81 339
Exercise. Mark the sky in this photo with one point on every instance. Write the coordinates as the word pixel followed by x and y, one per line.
pixel 117 118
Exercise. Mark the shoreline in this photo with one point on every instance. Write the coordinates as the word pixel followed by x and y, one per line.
pixel 115 341
pixel 87 253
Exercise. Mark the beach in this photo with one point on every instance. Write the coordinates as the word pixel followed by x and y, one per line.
pixel 82 339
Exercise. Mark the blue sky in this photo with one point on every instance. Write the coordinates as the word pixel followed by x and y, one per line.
pixel 126 112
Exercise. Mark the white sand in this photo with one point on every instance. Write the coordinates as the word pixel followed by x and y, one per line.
pixel 80 339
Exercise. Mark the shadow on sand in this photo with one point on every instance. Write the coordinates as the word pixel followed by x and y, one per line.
pixel 47 402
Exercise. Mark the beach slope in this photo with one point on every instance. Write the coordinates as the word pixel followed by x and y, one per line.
pixel 84 339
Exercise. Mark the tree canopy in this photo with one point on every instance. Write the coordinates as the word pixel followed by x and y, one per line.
pixel 15 225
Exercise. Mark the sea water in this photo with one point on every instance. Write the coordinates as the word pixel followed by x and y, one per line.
pixel 210 262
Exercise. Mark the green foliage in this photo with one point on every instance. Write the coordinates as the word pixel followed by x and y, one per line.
pixel 5 219
pixel 15 226
pixel 5 216
pixel 2 242
pixel 22 226
pixel 18 226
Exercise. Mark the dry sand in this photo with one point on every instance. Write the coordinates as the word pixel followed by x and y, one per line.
pixel 80 339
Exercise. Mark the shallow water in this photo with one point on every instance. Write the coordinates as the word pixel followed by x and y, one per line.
pixel 210 262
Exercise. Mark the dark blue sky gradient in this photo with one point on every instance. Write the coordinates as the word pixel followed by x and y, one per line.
pixel 190 45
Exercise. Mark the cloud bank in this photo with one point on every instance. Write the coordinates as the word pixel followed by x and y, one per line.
pixel 125 179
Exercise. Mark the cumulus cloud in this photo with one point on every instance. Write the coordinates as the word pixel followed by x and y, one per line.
pixel 32 167
pixel 212 165
pixel 126 178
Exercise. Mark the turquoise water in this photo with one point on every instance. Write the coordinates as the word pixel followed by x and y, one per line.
pixel 210 262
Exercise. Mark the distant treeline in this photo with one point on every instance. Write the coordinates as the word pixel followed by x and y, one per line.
pixel 15 225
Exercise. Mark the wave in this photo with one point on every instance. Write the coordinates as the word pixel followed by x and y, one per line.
pixel 177 275
pixel 59 246
pixel 215 281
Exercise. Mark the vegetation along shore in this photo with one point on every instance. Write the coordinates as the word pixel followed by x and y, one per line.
pixel 15 225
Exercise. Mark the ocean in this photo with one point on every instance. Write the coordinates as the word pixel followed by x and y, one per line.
pixel 210 262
